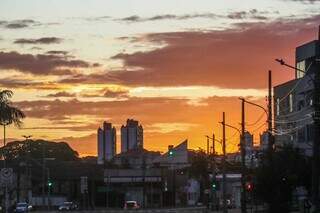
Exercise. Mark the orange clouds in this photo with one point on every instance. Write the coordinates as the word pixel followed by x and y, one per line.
pixel 232 58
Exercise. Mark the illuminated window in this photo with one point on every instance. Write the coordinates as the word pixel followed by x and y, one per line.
pixel 301 65
pixel 278 106
pixel 290 103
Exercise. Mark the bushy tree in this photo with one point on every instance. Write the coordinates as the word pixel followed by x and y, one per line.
pixel 37 149
pixel 278 175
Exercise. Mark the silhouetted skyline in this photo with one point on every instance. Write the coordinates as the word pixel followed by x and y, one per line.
pixel 172 65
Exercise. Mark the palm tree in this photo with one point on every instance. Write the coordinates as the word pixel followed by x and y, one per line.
pixel 8 113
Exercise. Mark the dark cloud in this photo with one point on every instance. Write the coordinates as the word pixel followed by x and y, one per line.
pixel 216 57
pixel 61 94
pixel 136 18
pixel 40 64
pixel 107 93
pixel 44 40
pixel 18 24
pixel 19 82
pixel 57 52
pixel 252 14
pixel 115 93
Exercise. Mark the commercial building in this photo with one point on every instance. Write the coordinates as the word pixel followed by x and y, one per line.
pixel 106 142
pixel 293 101
pixel 151 179
pixel 131 136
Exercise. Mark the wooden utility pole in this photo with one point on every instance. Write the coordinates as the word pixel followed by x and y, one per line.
pixel 213 144
pixel 224 179
pixel 208 146
pixel 243 159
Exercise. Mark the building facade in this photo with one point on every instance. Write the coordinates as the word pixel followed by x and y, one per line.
pixel 131 136
pixel 107 138
pixel 293 101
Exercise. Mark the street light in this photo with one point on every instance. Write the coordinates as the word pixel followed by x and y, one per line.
pixel 254 104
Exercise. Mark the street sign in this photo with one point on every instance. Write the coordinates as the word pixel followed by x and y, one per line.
pixel 83 184
pixel 6 176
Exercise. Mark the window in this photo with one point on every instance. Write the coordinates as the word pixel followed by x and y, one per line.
pixel 300 104
pixel 301 135
pixel 301 65
pixel 278 106
pixel 290 103
pixel 309 132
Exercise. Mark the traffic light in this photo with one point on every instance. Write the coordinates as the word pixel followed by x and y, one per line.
pixel 170 150
pixel 249 186
pixel 49 183
pixel 214 186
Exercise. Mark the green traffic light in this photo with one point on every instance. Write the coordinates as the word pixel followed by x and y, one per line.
pixel 170 152
pixel 49 183
pixel 214 185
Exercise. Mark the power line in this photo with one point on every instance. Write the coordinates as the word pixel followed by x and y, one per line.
pixel 259 119
pixel 295 86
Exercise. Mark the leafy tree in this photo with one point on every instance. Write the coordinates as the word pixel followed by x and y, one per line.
pixel 199 164
pixel 276 179
pixel 37 149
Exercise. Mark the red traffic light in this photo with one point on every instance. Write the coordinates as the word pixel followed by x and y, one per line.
pixel 249 186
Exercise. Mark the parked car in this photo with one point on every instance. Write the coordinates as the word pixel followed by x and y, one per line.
pixel 131 205
pixel 68 206
pixel 22 207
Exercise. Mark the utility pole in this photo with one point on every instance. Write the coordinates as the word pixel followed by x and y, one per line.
pixel 208 147
pixel 316 140
pixel 224 185
pixel 43 174
pixel 214 195
pixel 213 145
pixel 243 159
pixel 270 138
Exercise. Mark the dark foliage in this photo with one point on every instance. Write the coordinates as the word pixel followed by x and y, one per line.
pixel 278 176
pixel 37 149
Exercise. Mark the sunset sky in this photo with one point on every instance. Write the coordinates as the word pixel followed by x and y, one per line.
pixel 174 65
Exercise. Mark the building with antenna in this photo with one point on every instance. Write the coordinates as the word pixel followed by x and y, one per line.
pixel 293 101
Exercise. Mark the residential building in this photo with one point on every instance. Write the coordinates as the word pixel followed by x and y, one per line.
pixel 293 101
pixel 264 141
pixel 248 138
pixel 106 142
pixel 101 145
pixel 131 136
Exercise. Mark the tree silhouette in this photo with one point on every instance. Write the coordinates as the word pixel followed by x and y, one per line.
pixel 8 113
pixel 38 149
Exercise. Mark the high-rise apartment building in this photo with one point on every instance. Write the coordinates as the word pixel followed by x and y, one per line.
pixel 106 142
pixel 131 136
